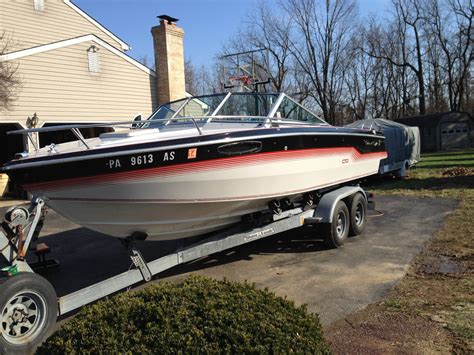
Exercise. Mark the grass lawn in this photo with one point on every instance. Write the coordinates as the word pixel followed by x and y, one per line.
pixel 432 309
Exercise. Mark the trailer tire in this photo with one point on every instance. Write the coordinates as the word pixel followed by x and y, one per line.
pixel 358 214
pixel 336 232
pixel 28 311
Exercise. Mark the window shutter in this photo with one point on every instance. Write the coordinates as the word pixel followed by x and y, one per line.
pixel 93 58
pixel 39 5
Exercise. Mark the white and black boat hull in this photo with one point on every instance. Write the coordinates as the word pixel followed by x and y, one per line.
pixel 194 198
pixel 180 187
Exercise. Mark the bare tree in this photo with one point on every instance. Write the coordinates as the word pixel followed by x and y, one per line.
pixel 453 27
pixel 321 36
pixel 358 79
pixel 418 60
pixel 9 80
pixel 200 80
pixel 436 76
pixel 273 33
pixel 264 29
pixel 406 34
pixel 190 77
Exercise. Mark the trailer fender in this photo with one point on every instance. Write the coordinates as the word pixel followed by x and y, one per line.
pixel 327 204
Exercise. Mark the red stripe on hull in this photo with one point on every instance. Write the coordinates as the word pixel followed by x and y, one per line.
pixel 237 198
pixel 247 160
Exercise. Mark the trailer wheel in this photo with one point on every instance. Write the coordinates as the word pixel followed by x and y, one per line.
pixel 336 232
pixel 358 214
pixel 28 310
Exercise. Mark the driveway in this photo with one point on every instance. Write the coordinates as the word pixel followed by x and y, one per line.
pixel 333 283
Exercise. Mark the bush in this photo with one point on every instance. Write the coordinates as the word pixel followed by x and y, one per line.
pixel 196 315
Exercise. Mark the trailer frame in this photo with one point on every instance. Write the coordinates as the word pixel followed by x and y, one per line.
pixel 13 245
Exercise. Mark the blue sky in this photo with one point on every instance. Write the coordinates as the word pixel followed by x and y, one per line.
pixel 207 23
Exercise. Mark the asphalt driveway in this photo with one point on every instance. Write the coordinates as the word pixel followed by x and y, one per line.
pixel 333 283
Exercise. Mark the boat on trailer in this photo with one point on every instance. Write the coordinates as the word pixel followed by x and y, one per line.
pixel 196 165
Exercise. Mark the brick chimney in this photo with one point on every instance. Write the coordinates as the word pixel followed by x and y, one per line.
pixel 169 59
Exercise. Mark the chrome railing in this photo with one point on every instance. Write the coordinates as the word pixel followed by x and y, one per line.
pixel 267 121
pixel 147 124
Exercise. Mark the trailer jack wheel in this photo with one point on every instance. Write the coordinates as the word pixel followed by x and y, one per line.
pixel 336 232
pixel 28 310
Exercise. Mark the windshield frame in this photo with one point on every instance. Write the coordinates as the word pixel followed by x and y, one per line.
pixel 270 117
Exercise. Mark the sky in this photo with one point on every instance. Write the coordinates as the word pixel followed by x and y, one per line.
pixel 208 24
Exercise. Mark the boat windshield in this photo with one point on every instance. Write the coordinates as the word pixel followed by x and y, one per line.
pixel 290 110
pixel 241 106
pixel 248 104
pixel 198 106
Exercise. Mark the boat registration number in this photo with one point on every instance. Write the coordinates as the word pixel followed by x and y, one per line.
pixel 141 159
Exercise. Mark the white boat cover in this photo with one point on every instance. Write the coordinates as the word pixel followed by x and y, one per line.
pixel 402 142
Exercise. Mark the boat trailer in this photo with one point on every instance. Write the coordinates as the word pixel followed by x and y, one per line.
pixel 29 305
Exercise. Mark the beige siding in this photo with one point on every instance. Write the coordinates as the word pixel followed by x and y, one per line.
pixel 28 28
pixel 58 86
pixel 194 108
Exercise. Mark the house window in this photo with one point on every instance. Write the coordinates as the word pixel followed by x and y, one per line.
pixel 427 131
pixel 39 5
pixel 93 58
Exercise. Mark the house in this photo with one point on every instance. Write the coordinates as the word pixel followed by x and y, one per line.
pixel 74 70
pixel 443 131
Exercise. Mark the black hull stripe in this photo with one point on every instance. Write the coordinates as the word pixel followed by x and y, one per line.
pixel 196 141
pixel 90 165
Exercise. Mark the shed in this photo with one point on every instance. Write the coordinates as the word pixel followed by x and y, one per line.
pixel 443 131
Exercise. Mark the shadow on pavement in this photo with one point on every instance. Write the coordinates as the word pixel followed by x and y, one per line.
pixel 87 257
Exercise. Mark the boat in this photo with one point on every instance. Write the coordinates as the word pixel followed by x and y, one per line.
pixel 401 142
pixel 195 166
